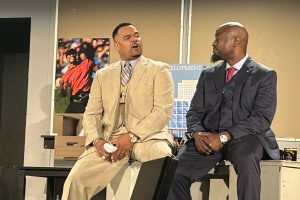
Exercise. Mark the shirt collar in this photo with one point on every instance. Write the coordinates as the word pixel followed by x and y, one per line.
pixel 239 64
pixel 132 62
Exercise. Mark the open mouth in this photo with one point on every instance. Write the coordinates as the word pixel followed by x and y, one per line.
pixel 136 46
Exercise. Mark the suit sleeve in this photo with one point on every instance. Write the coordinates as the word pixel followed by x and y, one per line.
pixel 263 110
pixel 196 111
pixel 162 109
pixel 92 117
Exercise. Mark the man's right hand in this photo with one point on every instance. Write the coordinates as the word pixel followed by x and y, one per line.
pixel 99 145
pixel 207 142
pixel 202 142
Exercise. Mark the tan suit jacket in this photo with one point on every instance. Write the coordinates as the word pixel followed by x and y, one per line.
pixel 148 105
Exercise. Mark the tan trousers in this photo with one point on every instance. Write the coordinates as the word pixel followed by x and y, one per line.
pixel 91 174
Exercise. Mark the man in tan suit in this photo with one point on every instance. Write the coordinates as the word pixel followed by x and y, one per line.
pixel 127 108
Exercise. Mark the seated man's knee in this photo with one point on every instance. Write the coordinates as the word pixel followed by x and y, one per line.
pixel 248 161
pixel 151 150
pixel 249 153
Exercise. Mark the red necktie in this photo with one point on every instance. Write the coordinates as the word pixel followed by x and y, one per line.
pixel 230 72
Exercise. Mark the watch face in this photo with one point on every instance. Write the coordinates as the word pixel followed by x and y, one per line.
pixel 223 138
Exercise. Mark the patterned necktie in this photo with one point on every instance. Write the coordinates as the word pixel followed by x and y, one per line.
pixel 230 72
pixel 126 73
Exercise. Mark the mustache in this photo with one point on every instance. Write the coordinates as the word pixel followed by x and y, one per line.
pixel 214 58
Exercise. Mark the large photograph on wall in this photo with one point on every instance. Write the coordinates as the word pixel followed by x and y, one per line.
pixel 77 61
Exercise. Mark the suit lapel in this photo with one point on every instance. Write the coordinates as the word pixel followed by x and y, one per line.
pixel 114 79
pixel 138 73
pixel 219 80
pixel 239 80
pixel 219 77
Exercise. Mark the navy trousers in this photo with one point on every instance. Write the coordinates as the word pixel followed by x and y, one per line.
pixel 244 153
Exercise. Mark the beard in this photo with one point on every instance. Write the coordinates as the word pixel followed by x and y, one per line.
pixel 214 58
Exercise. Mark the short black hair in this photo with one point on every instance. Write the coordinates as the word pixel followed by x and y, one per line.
pixel 87 49
pixel 115 31
pixel 70 52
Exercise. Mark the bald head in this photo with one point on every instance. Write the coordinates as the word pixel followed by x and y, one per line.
pixel 237 31
pixel 230 43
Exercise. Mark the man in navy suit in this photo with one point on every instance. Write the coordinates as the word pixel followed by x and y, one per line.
pixel 229 117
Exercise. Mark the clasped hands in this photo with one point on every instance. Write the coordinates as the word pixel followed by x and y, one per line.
pixel 122 142
pixel 207 142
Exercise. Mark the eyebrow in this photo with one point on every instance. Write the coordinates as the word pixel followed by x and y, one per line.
pixel 128 35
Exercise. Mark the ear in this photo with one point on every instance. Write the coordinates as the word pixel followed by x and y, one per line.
pixel 236 41
pixel 116 45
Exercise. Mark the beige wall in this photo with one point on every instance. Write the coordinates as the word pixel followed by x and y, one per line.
pixel 274 28
pixel 158 22
pixel 273 25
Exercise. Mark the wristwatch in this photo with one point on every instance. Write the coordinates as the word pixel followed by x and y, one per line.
pixel 133 138
pixel 223 138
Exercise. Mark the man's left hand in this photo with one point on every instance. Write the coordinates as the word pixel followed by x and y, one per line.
pixel 213 142
pixel 124 144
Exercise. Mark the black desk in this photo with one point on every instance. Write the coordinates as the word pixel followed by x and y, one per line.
pixel 56 176
pixel 55 179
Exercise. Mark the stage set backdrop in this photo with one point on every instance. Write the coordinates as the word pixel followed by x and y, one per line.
pixel 79 58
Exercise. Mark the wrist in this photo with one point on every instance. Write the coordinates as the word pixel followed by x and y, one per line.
pixel 228 134
pixel 199 133
pixel 196 133
pixel 224 137
pixel 95 141
pixel 133 138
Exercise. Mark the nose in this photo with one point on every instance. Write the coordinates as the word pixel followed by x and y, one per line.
pixel 213 44
pixel 134 39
